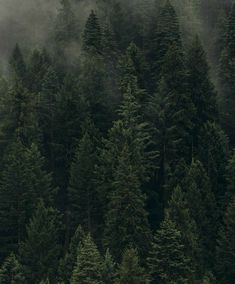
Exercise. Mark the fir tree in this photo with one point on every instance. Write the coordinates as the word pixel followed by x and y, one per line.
pixel 230 178
pixel 165 32
pixel 68 262
pixel 126 219
pixel 130 270
pixel 202 91
pixel 18 66
pixel 225 247
pixel 11 271
pixel 109 269
pixel 202 208
pixel 39 253
pixel 22 183
pixel 88 269
pixel 92 36
pixel 83 199
pixel 66 29
pixel 167 261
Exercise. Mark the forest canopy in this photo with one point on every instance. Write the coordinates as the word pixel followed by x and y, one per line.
pixel 117 129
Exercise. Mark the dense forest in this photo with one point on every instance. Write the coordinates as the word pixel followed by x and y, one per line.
pixel 116 144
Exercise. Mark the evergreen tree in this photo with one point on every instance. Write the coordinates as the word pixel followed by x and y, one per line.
pixel 126 219
pixel 230 178
pixel 92 36
pixel 179 213
pixel 225 247
pixel 83 199
pixel 39 253
pixel 68 262
pixel 167 261
pixel 109 269
pixel 11 271
pixel 202 207
pixel 227 72
pixel 130 271
pixel 202 90
pixel 165 31
pixel 66 29
pixel 18 66
pixel 23 182
pixel 88 269
pixel 213 152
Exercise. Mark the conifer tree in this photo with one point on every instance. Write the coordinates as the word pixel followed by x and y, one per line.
pixel 179 213
pixel 39 253
pixel 166 31
pixel 66 29
pixel 18 66
pixel 225 247
pixel 23 182
pixel 202 91
pixel 83 199
pixel 130 270
pixel 167 261
pixel 213 152
pixel 68 262
pixel 126 220
pixel 202 207
pixel 230 178
pixel 88 269
pixel 109 269
pixel 11 271
pixel 92 36
pixel 227 73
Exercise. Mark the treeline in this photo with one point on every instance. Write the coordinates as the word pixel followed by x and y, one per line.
pixel 116 152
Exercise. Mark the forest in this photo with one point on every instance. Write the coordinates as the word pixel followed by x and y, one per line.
pixel 117 129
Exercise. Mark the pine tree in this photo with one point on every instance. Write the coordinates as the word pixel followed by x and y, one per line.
pixel 167 261
pixel 23 182
pixel 18 66
pixel 68 262
pixel 213 152
pixel 66 29
pixel 11 271
pixel 109 269
pixel 202 208
pixel 227 73
pixel 39 253
pixel 170 114
pixel 179 213
pixel 88 269
pixel 202 91
pixel 225 247
pixel 92 36
pixel 130 270
pixel 165 32
pixel 230 178
pixel 126 219
pixel 83 199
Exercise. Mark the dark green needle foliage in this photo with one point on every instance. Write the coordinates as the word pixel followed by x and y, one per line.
pixel 225 247
pixel 11 271
pixel 39 252
pixel 88 268
pixel 167 261
pixel 130 270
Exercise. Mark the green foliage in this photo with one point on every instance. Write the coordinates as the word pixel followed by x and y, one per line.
pixel 167 261
pixel 11 271
pixel 130 270
pixel 92 36
pixel 88 269
pixel 22 183
pixel 39 252
pixel 225 247
pixel 68 262
pixel 83 199
pixel 109 269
